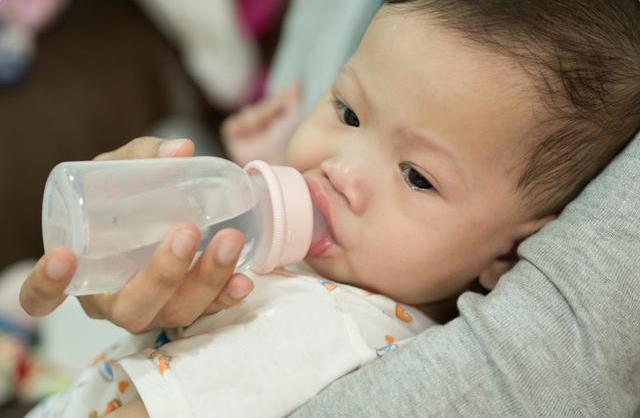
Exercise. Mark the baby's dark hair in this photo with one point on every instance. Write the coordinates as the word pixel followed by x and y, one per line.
pixel 584 56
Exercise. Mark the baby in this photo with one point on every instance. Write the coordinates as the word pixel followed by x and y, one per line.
pixel 455 131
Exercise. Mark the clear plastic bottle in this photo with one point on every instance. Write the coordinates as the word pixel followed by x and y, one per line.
pixel 113 214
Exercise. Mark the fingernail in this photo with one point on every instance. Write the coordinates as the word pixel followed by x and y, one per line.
pixel 170 148
pixel 56 267
pixel 227 252
pixel 237 293
pixel 183 243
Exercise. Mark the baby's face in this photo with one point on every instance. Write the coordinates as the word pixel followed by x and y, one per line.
pixel 415 152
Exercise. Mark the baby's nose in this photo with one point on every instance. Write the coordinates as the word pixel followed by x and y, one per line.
pixel 348 179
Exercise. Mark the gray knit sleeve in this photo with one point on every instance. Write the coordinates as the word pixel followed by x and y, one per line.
pixel 559 336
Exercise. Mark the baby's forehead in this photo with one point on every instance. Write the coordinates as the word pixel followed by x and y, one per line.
pixel 466 96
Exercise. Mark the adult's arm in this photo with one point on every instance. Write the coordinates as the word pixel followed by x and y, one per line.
pixel 559 335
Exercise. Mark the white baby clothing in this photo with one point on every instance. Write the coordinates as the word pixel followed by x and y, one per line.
pixel 291 337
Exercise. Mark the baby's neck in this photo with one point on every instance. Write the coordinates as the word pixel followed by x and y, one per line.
pixel 442 311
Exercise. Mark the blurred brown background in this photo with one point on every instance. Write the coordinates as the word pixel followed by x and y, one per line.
pixel 103 74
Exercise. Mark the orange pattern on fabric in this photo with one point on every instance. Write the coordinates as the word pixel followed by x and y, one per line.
pixel 389 339
pixel 161 361
pixel 97 359
pixel 122 386
pixel 112 406
pixel 402 314
pixel 329 286
pixel 163 365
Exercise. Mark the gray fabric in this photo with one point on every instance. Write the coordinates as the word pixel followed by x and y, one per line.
pixel 559 336
pixel 318 37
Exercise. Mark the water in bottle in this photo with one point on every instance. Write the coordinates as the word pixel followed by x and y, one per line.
pixel 113 214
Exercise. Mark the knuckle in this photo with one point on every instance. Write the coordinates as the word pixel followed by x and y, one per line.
pixel 133 326
pixel 92 311
pixel 93 314
pixel 168 276
pixel 132 323
pixel 130 152
pixel 212 278
pixel 138 142
pixel 138 147
pixel 137 329
pixel 30 308
pixel 212 286
pixel 224 301
pixel 103 156
pixel 213 309
pixel 39 292
pixel 171 316
pixel 230 302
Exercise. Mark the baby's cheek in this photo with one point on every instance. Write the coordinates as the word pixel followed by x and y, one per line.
pixel 399 270
pixel 380 271
pixel 302 152
pixel 315 140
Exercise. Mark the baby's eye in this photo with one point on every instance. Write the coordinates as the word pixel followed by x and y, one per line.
pixel 413 178
pixel 347 116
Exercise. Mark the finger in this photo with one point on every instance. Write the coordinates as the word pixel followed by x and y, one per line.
pixel 293 92
pixel 150 147
pixel 282 98
pixel 265 111
pixel 248 122
pixel 205 281
pixel 142 298
pixel 97 306
pixel 229 127
pixel 257 117
pixel 291 105
pixel 176 148
pixel 43 290
pixel 238 287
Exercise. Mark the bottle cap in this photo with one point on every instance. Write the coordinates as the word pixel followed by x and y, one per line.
pixel 292 215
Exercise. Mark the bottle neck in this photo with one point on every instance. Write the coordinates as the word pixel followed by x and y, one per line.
pixel 285 213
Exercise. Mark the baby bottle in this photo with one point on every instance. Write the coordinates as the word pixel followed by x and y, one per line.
pixel 113 214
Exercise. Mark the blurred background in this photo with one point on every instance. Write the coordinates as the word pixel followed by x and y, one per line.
pixel 101 73
pixel 81 77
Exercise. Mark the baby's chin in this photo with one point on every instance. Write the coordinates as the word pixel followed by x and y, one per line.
pixel 331 268
pixel 341 272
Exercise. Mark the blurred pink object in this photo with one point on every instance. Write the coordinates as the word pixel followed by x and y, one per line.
pixel 258 16
pixel 30 15
pixel 20 22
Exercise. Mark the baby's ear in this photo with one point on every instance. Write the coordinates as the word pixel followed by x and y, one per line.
pixel 489 277
pixel 532 226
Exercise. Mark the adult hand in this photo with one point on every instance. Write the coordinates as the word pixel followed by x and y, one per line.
pixel 261 131
pixel 170 291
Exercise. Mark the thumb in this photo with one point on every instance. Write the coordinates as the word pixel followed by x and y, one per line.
pixel 43 290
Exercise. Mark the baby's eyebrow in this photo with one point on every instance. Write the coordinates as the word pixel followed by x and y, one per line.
pixel 449 163
pixel 350 76
pixel 426 142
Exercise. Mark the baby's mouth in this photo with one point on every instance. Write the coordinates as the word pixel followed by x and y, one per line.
pixel 322 237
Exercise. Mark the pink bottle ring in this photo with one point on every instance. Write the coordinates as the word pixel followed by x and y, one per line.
pixel 292 216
